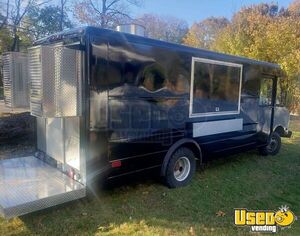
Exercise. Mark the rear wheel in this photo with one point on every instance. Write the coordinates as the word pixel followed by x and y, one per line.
pixel 273 146
pixel 181 168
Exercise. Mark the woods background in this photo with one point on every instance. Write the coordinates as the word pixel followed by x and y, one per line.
pixel 263 32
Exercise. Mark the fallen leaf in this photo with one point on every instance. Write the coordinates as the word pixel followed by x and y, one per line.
pixel 192 231
pixel 220 214
pixel 103 228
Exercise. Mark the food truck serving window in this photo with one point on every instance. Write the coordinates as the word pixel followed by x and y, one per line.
pixel 215 88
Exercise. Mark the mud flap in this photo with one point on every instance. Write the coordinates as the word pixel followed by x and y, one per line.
pixel 27 184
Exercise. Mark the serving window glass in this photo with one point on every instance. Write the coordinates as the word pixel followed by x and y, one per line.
pixel 215 88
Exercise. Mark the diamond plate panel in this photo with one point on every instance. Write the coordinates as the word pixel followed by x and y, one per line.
pixel 67 82
pixel 27 184
pixel 7 84
pixel 55 81
pixel 20 79
pixel 15 79
pixel 36 82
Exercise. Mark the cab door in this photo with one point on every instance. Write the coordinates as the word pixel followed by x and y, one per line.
pixel 267 104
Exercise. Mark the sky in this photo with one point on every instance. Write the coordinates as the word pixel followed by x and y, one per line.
pixel 196 10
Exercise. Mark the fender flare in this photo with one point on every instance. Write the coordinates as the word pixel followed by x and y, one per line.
pixel 279 126
pixel 284 132
pixel 174 147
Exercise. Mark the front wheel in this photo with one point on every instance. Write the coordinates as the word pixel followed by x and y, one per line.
pixel 181 168
pixel 273 146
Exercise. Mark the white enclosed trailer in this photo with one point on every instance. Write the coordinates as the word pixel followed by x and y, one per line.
pixel 15 79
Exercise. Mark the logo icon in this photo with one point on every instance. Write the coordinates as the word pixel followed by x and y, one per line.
pixel 284 217
pixel 265 221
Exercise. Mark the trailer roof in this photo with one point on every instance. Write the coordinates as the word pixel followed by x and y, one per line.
pixel 91 30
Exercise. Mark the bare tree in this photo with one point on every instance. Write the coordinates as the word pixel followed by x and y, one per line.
pixel 166 28
pixel 19 10
pixel 63 4
pixel 5 15
pixel 104 13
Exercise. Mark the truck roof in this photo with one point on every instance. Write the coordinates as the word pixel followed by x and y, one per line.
pixel 92 30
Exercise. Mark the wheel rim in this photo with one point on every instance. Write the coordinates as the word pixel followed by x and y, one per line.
pixel 272 145
pixel 182 168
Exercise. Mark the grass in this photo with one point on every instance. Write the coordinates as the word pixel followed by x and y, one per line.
pixel 148 208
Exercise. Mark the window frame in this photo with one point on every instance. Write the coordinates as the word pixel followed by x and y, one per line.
pixel 214 62
pixel 269 104
pixel 278 91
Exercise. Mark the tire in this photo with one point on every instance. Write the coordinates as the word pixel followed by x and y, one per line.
pixel 180 168
pixel 273 147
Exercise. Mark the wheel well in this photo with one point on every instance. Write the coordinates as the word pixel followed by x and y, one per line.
pixel 194 149
pixel 280 130
pixel 188 143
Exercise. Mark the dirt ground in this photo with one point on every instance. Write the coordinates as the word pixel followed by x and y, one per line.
pixel 22 147
pixel 16 133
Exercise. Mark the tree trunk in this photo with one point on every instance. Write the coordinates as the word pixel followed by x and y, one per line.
pixel 61 27
pixel 104 10
pixel 15 43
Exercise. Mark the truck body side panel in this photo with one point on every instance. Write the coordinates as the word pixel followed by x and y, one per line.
pixel 137 121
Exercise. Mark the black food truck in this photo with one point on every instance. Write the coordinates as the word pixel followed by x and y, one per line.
pixel 110 104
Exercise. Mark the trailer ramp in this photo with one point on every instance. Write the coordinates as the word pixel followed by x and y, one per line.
pixel 28 184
